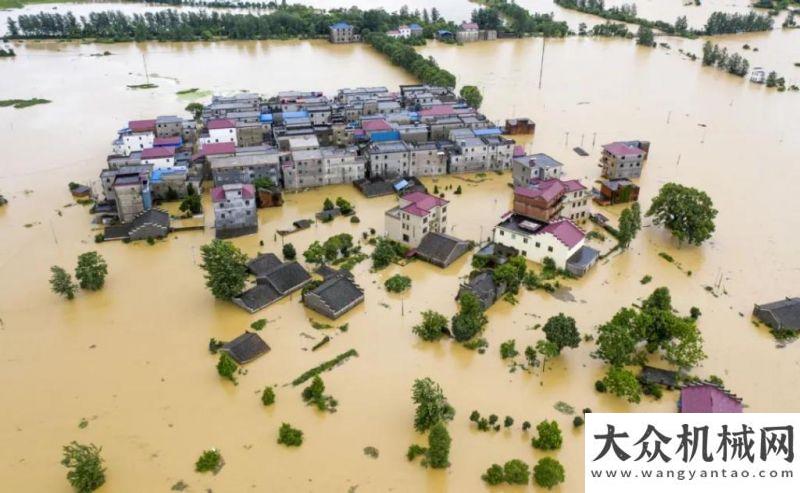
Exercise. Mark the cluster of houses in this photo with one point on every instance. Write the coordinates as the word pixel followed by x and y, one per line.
pixel 343 32
pixel 293 141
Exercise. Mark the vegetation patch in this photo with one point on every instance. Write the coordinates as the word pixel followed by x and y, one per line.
pixel 148 85
pixel 22 103
pixel 398 283
pixel 209 460
pixel 326 366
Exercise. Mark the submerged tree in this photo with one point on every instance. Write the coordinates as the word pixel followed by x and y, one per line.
pixel 91 271
pixel 86 472
pixel 225 267
pixel 439 440
pixel 630 222
pixel 562 332
pixel 687 212
pixel 470 319
pixel 472 95
pixel 432 405
pixel 645 36
pixel 226 367
pixel 549 436
pixel 623 383
pixel 548 472
pixel 433 326
pixel 61 282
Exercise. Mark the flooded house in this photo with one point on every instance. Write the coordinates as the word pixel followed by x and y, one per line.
pixel 624 159
pixel 244 167
pixel 527 168
pixel 335 296
pixel 416 215
pixel 536 240
pixel 246 348
pixel 131 194
pixel 483 285
pixel 274 281
pixel 782 316
pixel 137 136
pixel 705 397
pixel 470 31
pixel 149 224
pixel 219 130
pixel 617 192
pixel 234 210
pixel 342 32
pixel 547 200
pixel 440 249
pixel 519 126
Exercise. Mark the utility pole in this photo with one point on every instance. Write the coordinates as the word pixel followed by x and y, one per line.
pixel 541 65
pixel 594 137
pixel 566 139
pixel 146 74
pixel 669 115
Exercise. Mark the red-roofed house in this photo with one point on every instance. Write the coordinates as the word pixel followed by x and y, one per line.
pixel 221 130
pixel 142 125
pixel 624 159
pixel 416 215
pixel 159 157
pixel 536 240
pixel 375 125
pixel 234 210
pixel 546 200
pixel 708 398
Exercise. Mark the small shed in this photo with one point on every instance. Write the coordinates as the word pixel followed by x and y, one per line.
pixel 246 347
pixel 581 261
pixel 335 296
pixel 484 287
pixel 440 249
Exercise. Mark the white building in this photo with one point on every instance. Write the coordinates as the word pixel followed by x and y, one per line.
pixel 427 160
pixel 536 240
pixel 342 165
pixel 234 210
pixel 416 215
pixel 389 159
pixel 405 31
pixel 138 135
pixel 159 157
pixel 221 130
pixel 525 169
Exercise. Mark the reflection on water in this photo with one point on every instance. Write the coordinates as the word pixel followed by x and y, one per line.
pixel 132 359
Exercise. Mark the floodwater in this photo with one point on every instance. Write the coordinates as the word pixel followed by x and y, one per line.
pixel 132 358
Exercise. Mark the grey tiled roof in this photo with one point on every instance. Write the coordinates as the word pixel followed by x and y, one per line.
pixel 441 249
pixel 338 292
pixel 288 277
pixel 263 264
pixel 246 347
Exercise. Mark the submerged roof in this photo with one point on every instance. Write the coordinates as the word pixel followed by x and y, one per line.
pixel 263 264
pixel 708 398
pixel 441 249
pixel 338 292
pixel 785 314
pixel 246 347
pixel 622 149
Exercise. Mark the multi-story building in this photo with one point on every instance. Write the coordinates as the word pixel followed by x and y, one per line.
pixel 234 210
pixel 536 240
pixel 416 215
pixel 468 154
pixel 342 165
pixel 624 159
pixel 467 32
pixel 540 166
pixel 548 200
pixel 427 160
pixel 132 195
pixel 342 32
pixel 168 126
pixel 138 135
pixel 222 105
pixel 219 130
pixel 389 159
pixel 159 157
pixel 245 167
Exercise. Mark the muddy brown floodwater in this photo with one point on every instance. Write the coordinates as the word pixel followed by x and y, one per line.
pixel 132 358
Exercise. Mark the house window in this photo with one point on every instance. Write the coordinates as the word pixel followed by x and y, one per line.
pixel 524 240
pixel 538 244
pixel 549 249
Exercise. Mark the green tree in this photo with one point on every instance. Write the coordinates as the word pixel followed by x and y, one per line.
pixel 548 472
pixel 630 222
pixel 209 460
pixel 433 326
pixel 645 36
pixel 86 472
pixel 439 446
pixel 344 206
pixel 196 109
pixel 263 183
pixel 508 349
pixel 472 96
pixel 494 475
pixel 470 319
pixel 547 350
pixel 617 339
pixel 225 268
pixel 289 253
pixel 91 271
pixel 687 212
pixel 549 436
pixel 268 396
pixel 327 205
pixel 291 437
pixel 315 253
pixel 397 283
pixel 383 254
pixel 61 282
pixel 432 406
pixel 191 203
pixel 226 367
pixel 562 332
pixel 623 383
pixel 516 472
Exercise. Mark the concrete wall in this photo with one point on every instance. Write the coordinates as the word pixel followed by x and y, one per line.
pixel 536 247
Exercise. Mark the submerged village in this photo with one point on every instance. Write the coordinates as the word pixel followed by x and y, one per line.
pixel 249 152
pixel 380 281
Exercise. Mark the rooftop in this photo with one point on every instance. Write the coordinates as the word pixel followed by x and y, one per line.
pixel 246 347
pixel 564 230
pixel 142 125
pixel 220 124
pixel 622 149
pixel 158 152
pixel 218 194
pixel 421 203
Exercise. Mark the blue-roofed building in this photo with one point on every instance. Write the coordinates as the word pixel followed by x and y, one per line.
pixel 445 35
pixel 342 32
pixel 486 132
pixel 385 136
pixel 295 114
pixel 266 118
pixel 416 29
pixel 167 183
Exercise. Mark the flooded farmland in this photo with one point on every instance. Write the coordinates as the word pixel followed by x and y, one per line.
pixel 132 359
